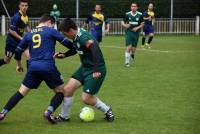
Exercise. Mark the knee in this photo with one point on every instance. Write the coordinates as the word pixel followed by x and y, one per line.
pixel 85 99
pixel 68 91
pixel 7 60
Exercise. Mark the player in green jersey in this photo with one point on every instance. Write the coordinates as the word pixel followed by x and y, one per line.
pixel 90 74
pixel 132 22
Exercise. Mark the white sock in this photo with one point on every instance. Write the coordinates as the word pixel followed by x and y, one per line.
pixel 127 57
pixel 101 106
pixel 66 107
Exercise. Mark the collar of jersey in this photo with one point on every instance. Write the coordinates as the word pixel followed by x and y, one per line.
pixel 134 14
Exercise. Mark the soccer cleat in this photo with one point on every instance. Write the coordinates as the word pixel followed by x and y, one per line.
pixel 59 118
pixel 2 116
pixel 109 116
pixel 49 117
pixel 148 45
pixel 127 65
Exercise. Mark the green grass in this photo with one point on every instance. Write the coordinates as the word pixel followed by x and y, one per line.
pixel 158 94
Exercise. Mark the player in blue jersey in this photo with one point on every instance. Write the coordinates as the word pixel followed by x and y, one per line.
pixel 41 43
pixel 95 22
pixel 19 24
pixel 148 30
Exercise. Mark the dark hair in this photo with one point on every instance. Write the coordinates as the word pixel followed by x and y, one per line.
pixel 25 1
pixel 66 24
pixel 135 3
pixel 47 17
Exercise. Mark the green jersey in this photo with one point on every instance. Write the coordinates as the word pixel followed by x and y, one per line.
pixel 86 53
pixel 133 19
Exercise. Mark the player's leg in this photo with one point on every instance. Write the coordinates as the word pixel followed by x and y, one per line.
pixel 12 102
pixel 144 36
pixel 69 90
pixel 128 49
pixel 9 51
pixel 74 83
pixel 151 35
pixel 91 87
pixel 134 42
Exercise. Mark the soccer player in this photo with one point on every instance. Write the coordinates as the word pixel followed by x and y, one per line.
pixel 90 74
pixel 133 22
pixel 95 22
pixel 148 30
pixel 19 24
pixel 41 42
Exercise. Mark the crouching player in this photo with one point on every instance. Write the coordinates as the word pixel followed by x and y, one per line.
pixel 41 42
pixel 90 74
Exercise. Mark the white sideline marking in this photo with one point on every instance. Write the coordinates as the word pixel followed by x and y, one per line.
pixel 153 50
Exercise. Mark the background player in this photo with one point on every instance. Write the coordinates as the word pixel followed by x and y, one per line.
pixel 148 30
pixel 90 74
pixel 95 22
pixel 19 24
pixel 41 42
pixel 133 22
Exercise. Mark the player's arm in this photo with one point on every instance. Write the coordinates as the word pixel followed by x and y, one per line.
pixel 124 22
pixel 107 25
pixel 92 47
pixel 89 18
pixel 65 42
pixel 18 53
pixel 13 28
pixel 141 21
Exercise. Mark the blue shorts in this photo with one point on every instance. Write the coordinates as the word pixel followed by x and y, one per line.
pixel 11 45
pixel 148 29
pixel 97 35
pixel 52 78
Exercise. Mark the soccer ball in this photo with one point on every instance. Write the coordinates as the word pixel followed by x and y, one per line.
pixel 87 114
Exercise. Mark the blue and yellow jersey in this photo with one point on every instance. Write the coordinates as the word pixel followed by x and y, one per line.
pixel 41 43
pixel 148 13
pixel 19 23
pixel 96 20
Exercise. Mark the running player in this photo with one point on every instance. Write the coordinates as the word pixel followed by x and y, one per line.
pixel 148 30
pixel 133 22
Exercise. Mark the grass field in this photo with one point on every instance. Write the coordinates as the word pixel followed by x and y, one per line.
pixel 158 94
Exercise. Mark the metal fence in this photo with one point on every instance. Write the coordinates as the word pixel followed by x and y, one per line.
pixel 162 25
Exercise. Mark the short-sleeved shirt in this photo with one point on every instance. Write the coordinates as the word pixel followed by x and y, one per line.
pixel 96 20
pixel 148 13
pixel 41 43
pixel 133 19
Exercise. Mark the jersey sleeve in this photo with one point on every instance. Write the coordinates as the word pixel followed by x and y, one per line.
pixel 14 23
pixel 60 38
pixel 21 47
pixel 145 14
pixel 125 19
pixel 141 19
pixel 89 18
pixel 106 19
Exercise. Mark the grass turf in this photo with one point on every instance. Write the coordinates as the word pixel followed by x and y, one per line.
pixel 158 94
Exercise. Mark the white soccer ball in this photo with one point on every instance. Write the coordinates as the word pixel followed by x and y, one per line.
pixel 87 114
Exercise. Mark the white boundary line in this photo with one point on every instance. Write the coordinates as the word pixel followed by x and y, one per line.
pixel 153 50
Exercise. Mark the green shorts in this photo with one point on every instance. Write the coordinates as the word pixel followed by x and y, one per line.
pixel 85 76
pixel 131 38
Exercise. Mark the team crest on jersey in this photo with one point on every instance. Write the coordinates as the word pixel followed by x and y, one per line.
pixel 137 19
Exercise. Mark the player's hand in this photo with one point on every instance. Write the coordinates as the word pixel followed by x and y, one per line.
pixel 59 55
pixel 135 29
pixel 96 75
pixel 149 18
pixel 19 69
pixel 127 25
